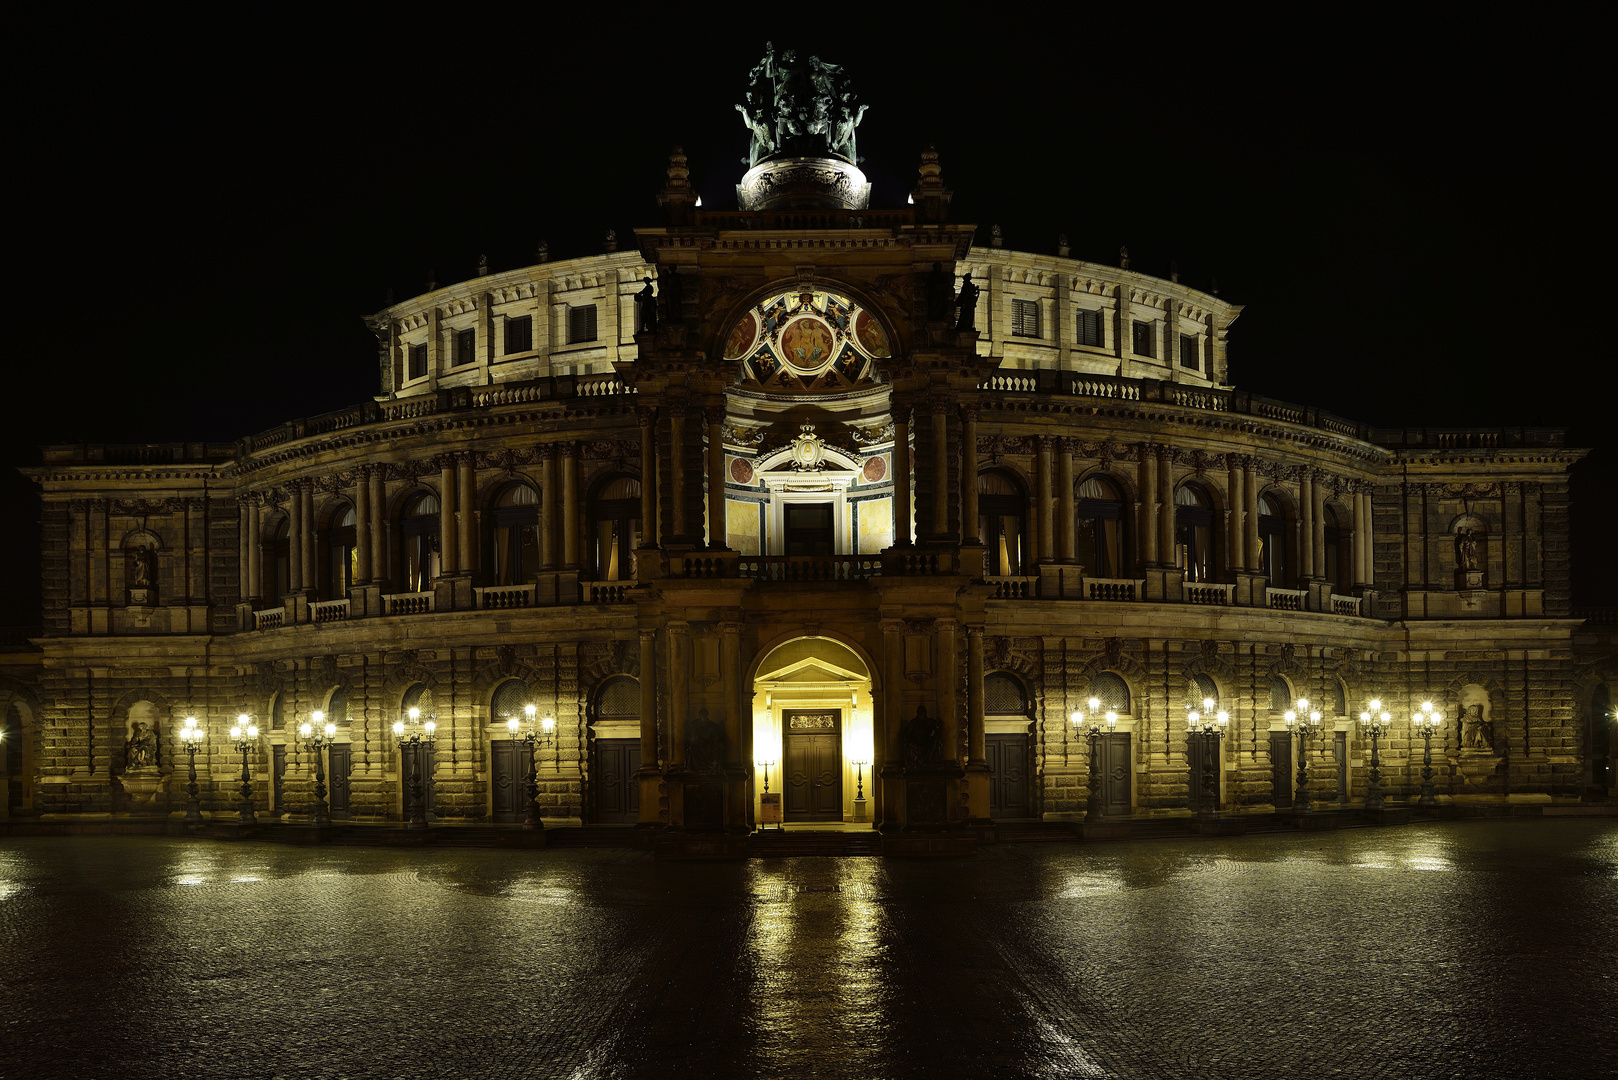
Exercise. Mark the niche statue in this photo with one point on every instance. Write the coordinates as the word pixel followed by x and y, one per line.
pixel 969 304
pixel 704 744
pixel 923 739
pixel 1466 550
pixel 140 751
pixel 646 304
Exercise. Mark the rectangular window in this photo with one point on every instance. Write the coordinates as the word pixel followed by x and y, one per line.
pixel 418 361
pixel 1143 339
pixel 1190 356
pixel 1089 323
pixel 466 346
pixel 519 334
pixel 581 324
pixel 1025 318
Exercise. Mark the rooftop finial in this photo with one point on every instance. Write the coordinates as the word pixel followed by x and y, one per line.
pixel 483 266
pixel 1174 271
pixel 432 279
pixel 930 197
pixel 677 199
pixel 1214 286
pixel 1123 257
pixel 611 240
pixel 995 239
pixel 1061 246
pixel 799 108
pixel 542 253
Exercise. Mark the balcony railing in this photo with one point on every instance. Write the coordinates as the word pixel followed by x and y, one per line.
pixel 328 611
pixel 269 618
pixel 606 592
pixel 1345 605
pixel 497 597
pixel 1286 599
pixel 1202 592
pixel 1013 588
pixel 409 603
pixel 809 567
pixel 1114 588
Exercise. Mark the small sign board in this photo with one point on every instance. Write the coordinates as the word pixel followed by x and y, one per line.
pixel 770 808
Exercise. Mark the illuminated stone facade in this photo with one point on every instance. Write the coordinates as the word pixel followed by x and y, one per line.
pixel 775 488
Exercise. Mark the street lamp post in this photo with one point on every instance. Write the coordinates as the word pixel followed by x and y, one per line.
pixel 1094 804
pixel 1375 722
pixel 245 736
pixel 1305 723
pixel 1213 727
pixel 531 738
pixel 411 739
pixel 191 739
pixel 1427 721
pixel 316 737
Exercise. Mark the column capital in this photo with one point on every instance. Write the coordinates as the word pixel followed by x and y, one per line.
pixel 569 448
pixel 969 413
pixel 946 625
pixel 974 630
pixel 730 629
pixel 713 415
pixel 648 635
pixel 545 452
pixel 891 626
pixel 646 415
pixel 679 629
pixel 443 461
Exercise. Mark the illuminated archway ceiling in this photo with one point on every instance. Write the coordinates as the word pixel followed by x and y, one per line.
pixel 807 340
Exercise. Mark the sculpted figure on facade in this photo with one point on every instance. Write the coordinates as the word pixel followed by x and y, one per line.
pixel 1466 550
pixel 140 750
pixel 969 304
pixel 704 744
pixel 923 739
pixel 142 568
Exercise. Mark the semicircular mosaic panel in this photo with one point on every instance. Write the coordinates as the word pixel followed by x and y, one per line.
pixel 807 340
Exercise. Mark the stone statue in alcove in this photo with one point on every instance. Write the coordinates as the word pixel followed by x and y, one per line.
pixel 1476 732
pixel 1466 550
pixel 142 568
pixel 646 304
pixel 140 750
pixel 923 739
pixel 969 303
pixel 704 744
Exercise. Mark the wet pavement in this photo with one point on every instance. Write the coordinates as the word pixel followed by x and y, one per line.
pixel 1455 949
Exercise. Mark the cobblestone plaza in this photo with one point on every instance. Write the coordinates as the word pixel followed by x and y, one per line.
pixel 1458 949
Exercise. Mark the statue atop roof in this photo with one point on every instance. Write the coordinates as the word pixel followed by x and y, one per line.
pixel 799 109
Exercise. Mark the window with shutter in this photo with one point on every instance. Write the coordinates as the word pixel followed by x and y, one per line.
pixel 418 361
pixel 1190 356
pixel 581 324
pixel 1089 324
pixel 466 346
pixel 1143 339
pixel 1024 318
pixel 519 334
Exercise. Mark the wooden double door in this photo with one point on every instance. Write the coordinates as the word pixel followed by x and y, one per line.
pixel 617 792
pixel 1008 775
pixel 812 770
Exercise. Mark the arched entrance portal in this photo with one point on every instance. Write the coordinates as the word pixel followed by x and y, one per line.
pixel 812 720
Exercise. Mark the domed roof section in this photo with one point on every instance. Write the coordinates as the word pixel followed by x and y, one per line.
pixel 802 115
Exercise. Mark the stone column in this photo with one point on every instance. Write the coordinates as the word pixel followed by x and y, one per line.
pixel 679 637
pixel 940 468
pixel 715 418
pixel 570 506
pixel 730 667
pixel 244 558
pixel 1165 505
pixel 311 567
pixel 1364 573
pixel 648 699
pixel 255 547
pixel 1317 519
pixel 295 537
pixel 467 490
pixel 447 533
pixel 362 525
pixel 677 472
pixel 1148 504
pixel 1234 534
pixel 648 476
pixel 1306 524
pixel 1250 513
pixel 969 476
pixel 948 718
pixel 1065 527
pixel 893 690
pixel 901 475
pixel 550 497
pixel 1047 512
pixel 976 745
pixel 379 526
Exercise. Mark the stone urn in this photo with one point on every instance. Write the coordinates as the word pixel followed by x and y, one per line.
pixel 141 789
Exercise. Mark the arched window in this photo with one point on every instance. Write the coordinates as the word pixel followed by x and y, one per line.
pixel 509 700
pixel 1200 688
pixel 1272 541
pixel 1112 692
pixel 343 564
pixel 1339 698
pixel 614 529
pixel 619 697
pixel 1002 523
pixel 1003 695
pixel 279 580
pixel 1336 546
pixel 337 707
pixel 419 529
pixel 516 535
pixel 1280 694
pixel 1100 529
pixel 1193 532
pixel 418 697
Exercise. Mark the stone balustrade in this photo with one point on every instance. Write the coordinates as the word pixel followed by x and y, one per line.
pixel 501 597
pixel 1115 588
pixel 1202 592
pixel 606 592
pixel 414 603
pixel 810 567
pixel 1345 605
pixel 1013 588
pixel 327 611
pixel 269 619
pixel 1286 599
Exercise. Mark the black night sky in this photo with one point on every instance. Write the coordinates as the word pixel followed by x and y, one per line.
pixel 202 212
